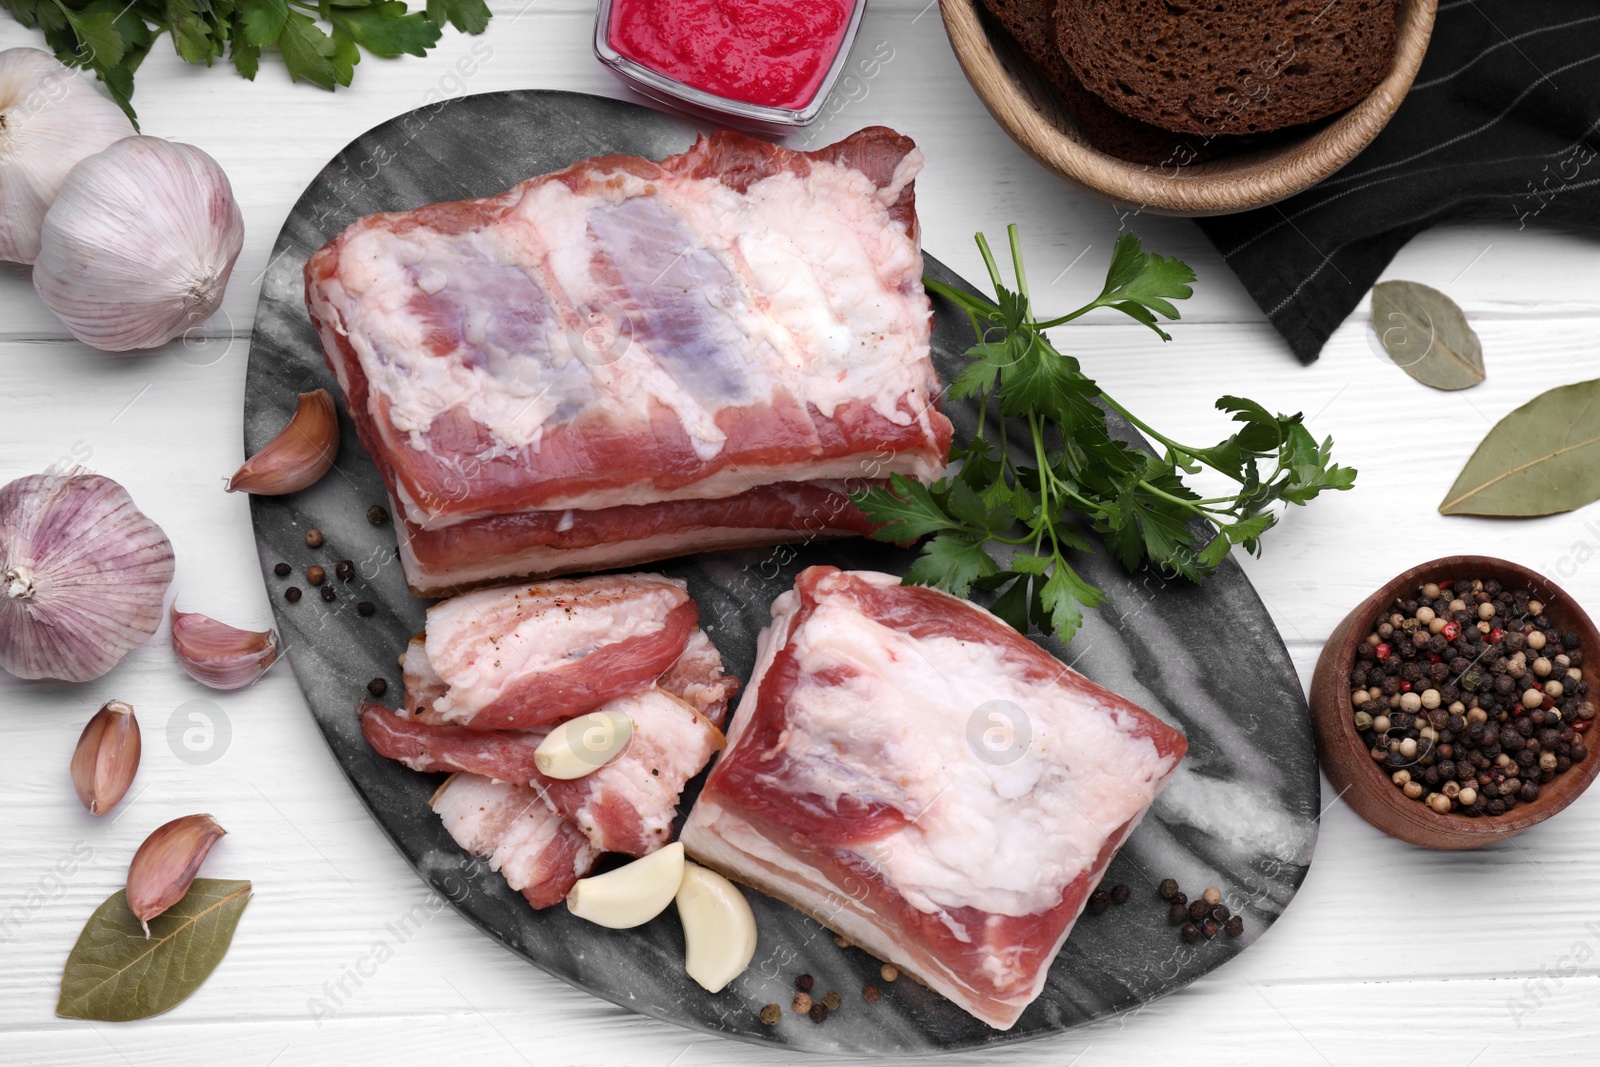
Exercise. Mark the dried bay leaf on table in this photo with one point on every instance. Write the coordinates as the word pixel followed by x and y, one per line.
pixel 115 974
pixel 1426 335
pixel 1542 459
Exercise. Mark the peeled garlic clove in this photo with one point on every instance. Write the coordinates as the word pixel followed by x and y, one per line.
pixel 632 894
pixel 164 867
pixel 83 575
pixel 719 929
pixel 300 454
pixel 107 757
pixel 583 745
pixel 221 656
pixel 50 118
pixel 138 246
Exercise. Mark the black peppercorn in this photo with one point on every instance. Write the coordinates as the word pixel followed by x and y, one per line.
pixel 869 993
pixel 1528 793
pixel 378 686
pixel 804 982
pixel 1234 926
pixel 1120 894
pixel 377 514
pixel 1199 910
pixel 346 570
pixel 328 594
pixel 366 608
pixel 1210 928
pixel 292 594
pixel 818 1013
pixel 1191 933
pixel 1168 888
pixel 1177 915
pixel 1099 901
pixel 1181 898
pixel 282 570
pixel 1220 912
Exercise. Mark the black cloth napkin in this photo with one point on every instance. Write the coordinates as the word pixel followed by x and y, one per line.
pixel 1503 122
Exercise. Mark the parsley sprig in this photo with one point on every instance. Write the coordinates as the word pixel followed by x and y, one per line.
pixel 1000 523
pixel 112 37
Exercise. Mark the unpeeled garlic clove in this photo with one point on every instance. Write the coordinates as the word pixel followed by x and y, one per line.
pixel 719 929
pixel 221 656
pixel 107 757
pixel 583 745
pixel 165 865
pixel 631 895
pixel 300 454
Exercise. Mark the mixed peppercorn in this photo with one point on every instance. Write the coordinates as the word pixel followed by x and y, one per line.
pixel 1470 698
pixel 1204 916
pixel 344 570
pixel 818 1008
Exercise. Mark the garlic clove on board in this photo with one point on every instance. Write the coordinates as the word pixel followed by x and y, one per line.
pixel 166 864
pixel 301 454
pixel 107 757
pixel 139 244
pixel 221 656
pixel 719 929
pixel 50 118
pixel 583 745
pixel 83 575
pixel 631 895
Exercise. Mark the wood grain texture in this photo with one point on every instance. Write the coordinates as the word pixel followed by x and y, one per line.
pixel 1236 182
pixel 1375 948
pixel 1365 785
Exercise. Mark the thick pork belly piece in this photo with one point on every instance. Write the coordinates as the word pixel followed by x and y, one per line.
pixel 918 776
pixel 520 656
pixel 626 333
pixel 541 854
pixel 626 806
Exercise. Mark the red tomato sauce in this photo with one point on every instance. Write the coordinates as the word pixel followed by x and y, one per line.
pixel 770 53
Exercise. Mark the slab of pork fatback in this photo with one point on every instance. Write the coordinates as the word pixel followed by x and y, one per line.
pixel 915 774
pixel 628 360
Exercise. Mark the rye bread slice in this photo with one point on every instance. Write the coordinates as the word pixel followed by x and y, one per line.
pixel 1032 24
pixel 1227 66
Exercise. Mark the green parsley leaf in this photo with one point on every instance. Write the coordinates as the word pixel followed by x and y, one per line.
pixel 1036 507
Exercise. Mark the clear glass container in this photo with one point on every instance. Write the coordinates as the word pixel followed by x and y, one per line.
pixel 671 91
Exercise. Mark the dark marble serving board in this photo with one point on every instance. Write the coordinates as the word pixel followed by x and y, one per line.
pixel 1241 815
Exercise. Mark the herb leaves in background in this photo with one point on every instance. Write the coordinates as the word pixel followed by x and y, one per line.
pixel 319 42
pixel 1542 459
pixel 1426 335
pixel 1002 524
pixel 115 974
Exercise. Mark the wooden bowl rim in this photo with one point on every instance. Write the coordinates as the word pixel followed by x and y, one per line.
pixel 1368 789
pixel 1236 183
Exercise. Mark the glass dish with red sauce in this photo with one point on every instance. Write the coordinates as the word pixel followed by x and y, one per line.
pixel 759 62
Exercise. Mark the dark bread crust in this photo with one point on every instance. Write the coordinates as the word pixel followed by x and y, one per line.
pixel 1032 24
pixel 1227 66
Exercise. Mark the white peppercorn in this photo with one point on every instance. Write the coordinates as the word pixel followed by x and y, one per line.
pixel 1533 698
pixel 1468 796
pixel 1430 698
pixel 1535 639
pixel 1441 803
pixel 1555 689
pixel 1410 703
pixel 1408 748
pixel 1413 790
pixel 1381 724
pixel 1424 615
pixel 1541 667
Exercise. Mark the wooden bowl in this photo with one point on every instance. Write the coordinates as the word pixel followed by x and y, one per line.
pixel 1344 757
pixel 1028 110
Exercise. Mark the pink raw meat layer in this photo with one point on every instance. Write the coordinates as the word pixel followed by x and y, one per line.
pixel 626 806
pixel 915 774
pixel 629 359
pixel 540 853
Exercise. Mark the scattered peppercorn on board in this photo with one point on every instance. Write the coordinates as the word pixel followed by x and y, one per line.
pixel 1241 816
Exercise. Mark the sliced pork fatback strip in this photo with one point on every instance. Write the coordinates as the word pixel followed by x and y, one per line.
pixel 541 854
pixel 626 806
pixel 626 334
pixel 520 656
pixel 955 790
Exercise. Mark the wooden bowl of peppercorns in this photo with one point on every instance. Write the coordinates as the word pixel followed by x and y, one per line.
pixel 1450 706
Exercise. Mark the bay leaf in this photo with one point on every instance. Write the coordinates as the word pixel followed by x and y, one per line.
pixel 115 974
pixel 1426 335
pixel 1542 459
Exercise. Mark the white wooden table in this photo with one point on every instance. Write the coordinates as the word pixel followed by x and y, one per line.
pixel 1387 952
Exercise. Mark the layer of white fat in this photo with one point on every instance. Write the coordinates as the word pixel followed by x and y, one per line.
pixel 829 301
pixel 482 643
pixel 1004 834
pixel 669 737
pixel 509 825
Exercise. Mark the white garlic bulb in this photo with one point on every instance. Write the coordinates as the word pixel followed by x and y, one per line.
pixel 83 575
pixel 139 244
pixel 50 118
